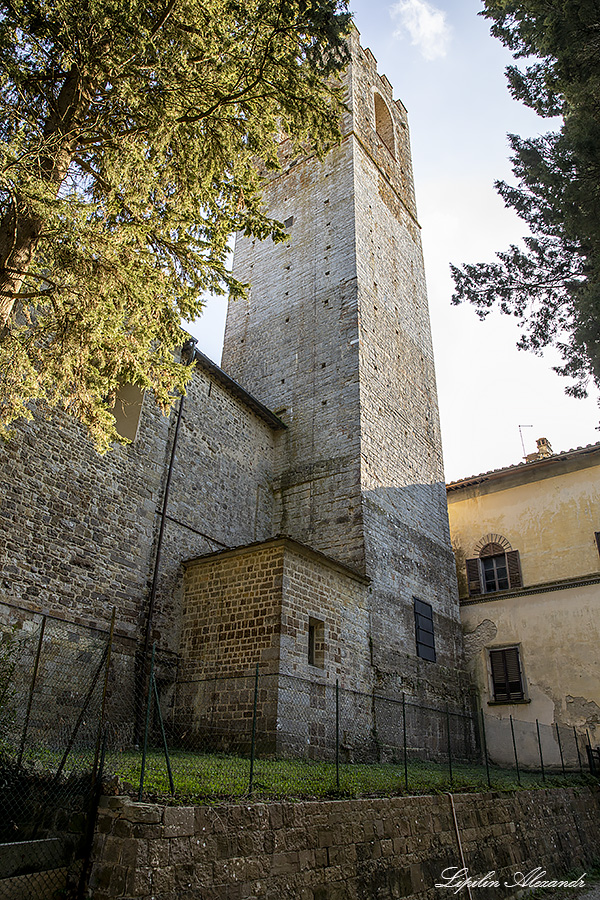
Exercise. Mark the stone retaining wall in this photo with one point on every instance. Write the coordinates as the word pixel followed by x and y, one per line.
pixel 373 849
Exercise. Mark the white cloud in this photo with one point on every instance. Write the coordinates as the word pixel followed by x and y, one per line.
pixel 425 24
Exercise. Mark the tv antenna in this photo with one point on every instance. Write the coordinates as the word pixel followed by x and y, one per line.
pixel 522 441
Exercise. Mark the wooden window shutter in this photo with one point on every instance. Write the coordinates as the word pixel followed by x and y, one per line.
pixel 473 577
pixel 598 540
pixel 506 675
pixel 513 564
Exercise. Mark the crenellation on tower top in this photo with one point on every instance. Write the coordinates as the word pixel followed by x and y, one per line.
pixel 387 84
pixel 369 54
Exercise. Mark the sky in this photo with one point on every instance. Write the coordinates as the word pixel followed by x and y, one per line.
pixel 449 73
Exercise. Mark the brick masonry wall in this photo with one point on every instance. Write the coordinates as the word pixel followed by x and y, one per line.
pixel 338 850
pixel 254 605
pixel 79 530
pixel 337 600
pixel 232 611
pixel 318 589
pixel 231 622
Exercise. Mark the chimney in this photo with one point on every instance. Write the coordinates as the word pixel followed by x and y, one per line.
pixel 544 448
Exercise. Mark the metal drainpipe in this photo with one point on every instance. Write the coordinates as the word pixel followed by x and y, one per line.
pixel 460 848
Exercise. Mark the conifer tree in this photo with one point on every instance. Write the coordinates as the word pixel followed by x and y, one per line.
pixel 131 137
pixel 551 282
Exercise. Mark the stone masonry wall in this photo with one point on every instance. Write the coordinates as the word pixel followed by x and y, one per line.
pixel 339 850
pixel 336 337
pixel 294 345
pixel 407 539
pixel 79 530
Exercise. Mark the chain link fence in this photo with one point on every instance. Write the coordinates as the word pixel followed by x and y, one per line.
pixel 73 700
pixel 269 735
pixel 51 680
pixel 275 735
pixel 521 746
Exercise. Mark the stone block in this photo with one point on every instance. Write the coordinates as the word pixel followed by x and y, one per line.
pixel 163 879
pixel 179 821
pixel 142 813
pixel 104 824
pixel 180 851
pixel 133 852
pixel 112 850
pixel 118 881
pixel 139 882
pixel 285 863
pixel 100 876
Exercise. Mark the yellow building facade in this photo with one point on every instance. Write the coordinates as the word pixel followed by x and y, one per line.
pixel 527 546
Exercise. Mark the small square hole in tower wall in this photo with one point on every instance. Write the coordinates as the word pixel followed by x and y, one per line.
pixel 316 643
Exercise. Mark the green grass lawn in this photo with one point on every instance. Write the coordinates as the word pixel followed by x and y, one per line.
pixel 208 777
pixel 214 777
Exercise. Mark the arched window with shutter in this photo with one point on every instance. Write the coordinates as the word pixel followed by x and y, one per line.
pixel 496 567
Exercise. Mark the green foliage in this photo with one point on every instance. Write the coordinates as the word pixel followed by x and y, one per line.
pixel 131 139
pixel 552 283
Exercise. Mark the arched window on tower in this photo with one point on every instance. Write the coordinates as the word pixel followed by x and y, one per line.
pixel 496 567
pixel 383 124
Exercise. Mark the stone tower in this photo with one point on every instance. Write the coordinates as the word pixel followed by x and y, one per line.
pixel 335 339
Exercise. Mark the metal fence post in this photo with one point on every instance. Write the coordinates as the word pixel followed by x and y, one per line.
pixel 512 729
pixel 449 742
pixel 147 725
pixel 590 752
pixel 562 761
pixel 537 725
pixel 485 754
pixel 86 703
pixel 577 748
pixel 164 736
pixel 31 692
pixel 253 742
pixel 404 737
pixel 337 734
pixel 104 694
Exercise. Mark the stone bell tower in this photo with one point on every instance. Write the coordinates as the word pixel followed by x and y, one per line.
pixel 335 339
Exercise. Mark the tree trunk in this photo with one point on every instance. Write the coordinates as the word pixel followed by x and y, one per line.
pixel 20 228
pixel 14 268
